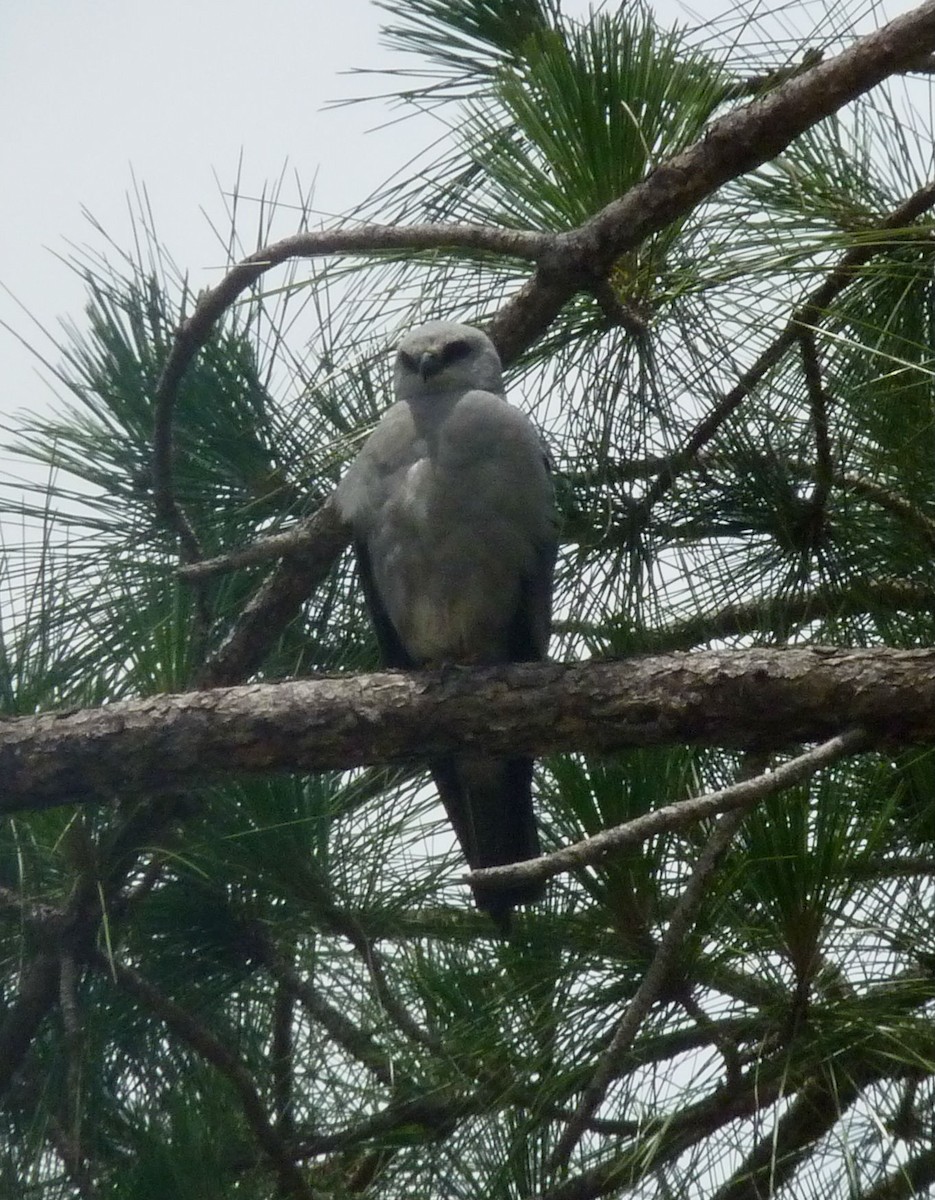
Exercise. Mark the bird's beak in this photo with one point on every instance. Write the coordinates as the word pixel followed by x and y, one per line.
pixel 430 364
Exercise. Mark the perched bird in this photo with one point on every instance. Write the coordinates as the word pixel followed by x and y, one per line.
pixel 451 506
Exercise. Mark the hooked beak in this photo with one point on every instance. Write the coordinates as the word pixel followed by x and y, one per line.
pixel 430 364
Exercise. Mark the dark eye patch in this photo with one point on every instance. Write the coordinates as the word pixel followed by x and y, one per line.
pixel 407 361
pixel 454 351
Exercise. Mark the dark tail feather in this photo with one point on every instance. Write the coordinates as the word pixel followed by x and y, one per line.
pixel 489 803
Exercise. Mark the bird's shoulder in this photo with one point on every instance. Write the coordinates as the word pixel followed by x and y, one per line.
pixel 487 420
pixel 392 447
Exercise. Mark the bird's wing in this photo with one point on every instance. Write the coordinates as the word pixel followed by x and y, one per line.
pixel 392 652
pixel 361 499
pixel 531 625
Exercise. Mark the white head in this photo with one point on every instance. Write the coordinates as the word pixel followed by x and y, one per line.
pixel 445 357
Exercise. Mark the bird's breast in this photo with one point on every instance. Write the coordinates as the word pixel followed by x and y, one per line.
pixel 447 565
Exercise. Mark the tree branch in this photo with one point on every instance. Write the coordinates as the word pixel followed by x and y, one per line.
pixel 759 698
pixel 809 314
pixel 309 538
pixel 38 991
pixel 358 1044
pixel 739 142
pixel 782 613
pixel 818 400
pixel 206 1045
pixel 774 1159
pixel 278 600
pixel 652 984
pixel 907 1181
pixel 674 816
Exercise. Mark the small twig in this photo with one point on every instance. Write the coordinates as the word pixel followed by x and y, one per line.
pixel 755 85
pixel 355 1042
pixel 818 405
pixel 300 539
pixel 436 1112
pixel 673 816
pixel 773 613
pixel 653 983
pixel 281 1066
pixel 726 1045
pixel 618 313
pixel 891 501
pixel 205 1044
pixel 392 1006
pixel 67 999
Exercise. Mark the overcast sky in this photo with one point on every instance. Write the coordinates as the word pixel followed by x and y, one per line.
pixel 177 90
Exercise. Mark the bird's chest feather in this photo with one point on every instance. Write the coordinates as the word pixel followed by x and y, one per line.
pixel 442 574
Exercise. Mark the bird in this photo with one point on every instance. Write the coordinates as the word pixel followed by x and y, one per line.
pixel 451 509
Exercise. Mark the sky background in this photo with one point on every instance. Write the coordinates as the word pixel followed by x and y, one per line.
pixel 96 92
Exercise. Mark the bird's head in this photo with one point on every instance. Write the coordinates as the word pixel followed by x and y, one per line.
pixel 445 357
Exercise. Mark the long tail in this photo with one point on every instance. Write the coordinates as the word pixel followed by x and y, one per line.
pixel 489 803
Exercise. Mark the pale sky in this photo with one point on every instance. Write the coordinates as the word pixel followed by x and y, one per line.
pixel 177 90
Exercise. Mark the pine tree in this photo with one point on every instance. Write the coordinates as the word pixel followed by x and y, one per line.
pixel 274 984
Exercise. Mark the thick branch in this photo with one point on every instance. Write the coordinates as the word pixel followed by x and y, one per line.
pixel 758 698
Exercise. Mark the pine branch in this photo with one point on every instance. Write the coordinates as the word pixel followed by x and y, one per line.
pixel 653 983
pixel 357 1043
pixel 779 615
pixel 206 1045
pixel 760 698
pixel 808 315
pixel 775 1158
pixel 737 797
pixel 277 601
pixel 907 1181
pixel 745 139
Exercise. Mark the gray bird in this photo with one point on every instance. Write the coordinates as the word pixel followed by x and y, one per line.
pixel 451 506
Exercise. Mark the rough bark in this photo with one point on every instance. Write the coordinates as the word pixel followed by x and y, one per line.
pixel 762 698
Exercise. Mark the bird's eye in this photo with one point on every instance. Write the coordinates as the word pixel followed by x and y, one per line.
pixel 407 361
pixel 454 351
